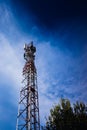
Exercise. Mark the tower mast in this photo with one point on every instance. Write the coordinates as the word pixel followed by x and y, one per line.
pixel 28 113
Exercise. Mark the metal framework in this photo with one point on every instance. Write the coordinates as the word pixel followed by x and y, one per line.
pixel 28 113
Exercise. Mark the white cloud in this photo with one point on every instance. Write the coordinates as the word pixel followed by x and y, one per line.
pixel 59 73
pixel 10 65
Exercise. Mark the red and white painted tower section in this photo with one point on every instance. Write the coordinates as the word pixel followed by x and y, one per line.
pixel 28 113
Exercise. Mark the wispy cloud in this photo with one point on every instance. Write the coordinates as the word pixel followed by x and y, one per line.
pixel 60 73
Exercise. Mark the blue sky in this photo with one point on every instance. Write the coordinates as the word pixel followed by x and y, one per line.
pixel 59 32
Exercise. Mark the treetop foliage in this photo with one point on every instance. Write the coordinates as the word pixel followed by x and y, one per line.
pixel 65 116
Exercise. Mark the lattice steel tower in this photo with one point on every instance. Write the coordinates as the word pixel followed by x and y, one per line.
pixel 28 113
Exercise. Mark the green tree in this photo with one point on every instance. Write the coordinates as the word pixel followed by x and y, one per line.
pixel 66 117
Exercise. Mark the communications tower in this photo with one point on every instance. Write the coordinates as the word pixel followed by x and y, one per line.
pixel 28 113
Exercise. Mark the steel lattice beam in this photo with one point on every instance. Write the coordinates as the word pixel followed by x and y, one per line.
pixel 28 113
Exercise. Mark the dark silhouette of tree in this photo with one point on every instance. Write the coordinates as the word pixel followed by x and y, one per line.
pixel 65 116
